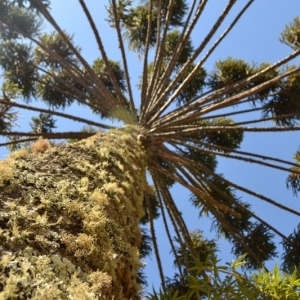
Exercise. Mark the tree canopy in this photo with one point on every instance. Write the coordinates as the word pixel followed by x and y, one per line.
pixel 186 115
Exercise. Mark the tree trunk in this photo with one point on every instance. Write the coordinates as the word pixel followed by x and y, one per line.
pixel 69 219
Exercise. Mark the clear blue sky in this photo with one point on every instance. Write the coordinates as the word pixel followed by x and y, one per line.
pixel 255 39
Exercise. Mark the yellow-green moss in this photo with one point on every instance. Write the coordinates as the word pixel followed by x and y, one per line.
pixel 20 153
pixel 74 210
pixel 6 172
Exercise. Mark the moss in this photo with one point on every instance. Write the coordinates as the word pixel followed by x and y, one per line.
pixel 20 153
pixel 40 146
pixel 6 172
pixel 71 215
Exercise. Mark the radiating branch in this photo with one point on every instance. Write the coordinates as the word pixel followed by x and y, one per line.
pixel 226 149
pixel 154 241
pixel 196 105
pixel 111 75
pixel 101 86
pixel 146 53
pixel 50 135
pixel 163 92
pixel 231 156
pixel 123 53
pixel 56 113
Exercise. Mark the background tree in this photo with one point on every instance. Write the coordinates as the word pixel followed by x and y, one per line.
pixel 176 132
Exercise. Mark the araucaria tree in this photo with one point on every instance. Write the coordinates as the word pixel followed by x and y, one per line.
pixel 73 214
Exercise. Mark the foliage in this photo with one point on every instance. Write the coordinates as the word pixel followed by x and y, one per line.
pixel 278 285
pixel 43 123
pixel 291 34
pixel 290 256
pixel 293 181
pixel 184 121
pixel 226 282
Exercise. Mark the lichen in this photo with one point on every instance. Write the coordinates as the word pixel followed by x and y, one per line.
pixel 20 153
pixel 69 219
pixel 40 146
pixel 6 173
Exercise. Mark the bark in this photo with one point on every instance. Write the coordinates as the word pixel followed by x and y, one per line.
pixel 69 219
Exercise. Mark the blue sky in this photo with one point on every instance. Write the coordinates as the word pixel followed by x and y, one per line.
pixel 255 39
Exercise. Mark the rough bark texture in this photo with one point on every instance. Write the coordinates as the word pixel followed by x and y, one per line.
pixel 69 219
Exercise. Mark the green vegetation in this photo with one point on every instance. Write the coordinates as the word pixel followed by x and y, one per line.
pixel 73 214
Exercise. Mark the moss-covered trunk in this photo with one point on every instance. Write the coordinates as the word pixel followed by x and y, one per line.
pixel 69 219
